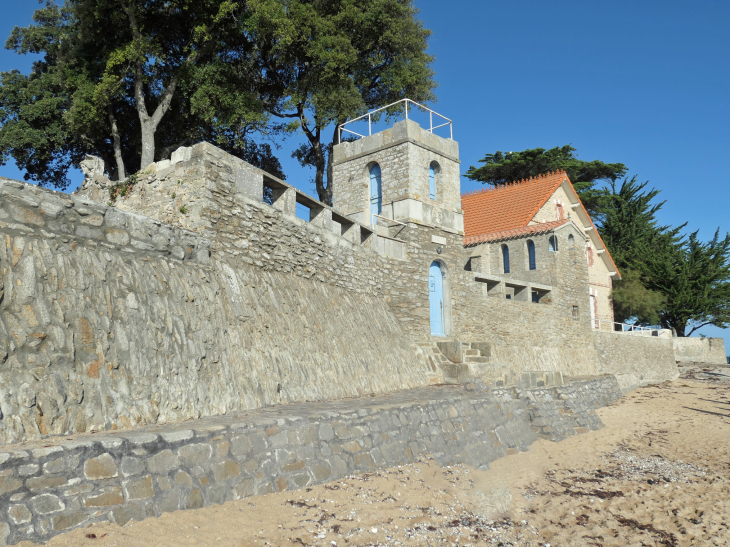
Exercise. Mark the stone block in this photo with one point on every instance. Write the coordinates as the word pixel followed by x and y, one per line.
pixel 183 479
pixel 195 499
pixel 320 471
pixel 169 501
pixel 54 466
pixel 181 154
pixel 19 514
pixel 101 467
pixel 65 522
pixel 139 489
pixel 131 511
pixel 9 483
pixel 195 454
pixel 45 481
pixel 109 496
pixel 29 469
pixel 228 469
pixel 163 462
pixel 240 445
pixel 45 504
pixel 132 466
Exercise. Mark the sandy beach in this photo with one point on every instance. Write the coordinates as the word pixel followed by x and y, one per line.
pixel 658 473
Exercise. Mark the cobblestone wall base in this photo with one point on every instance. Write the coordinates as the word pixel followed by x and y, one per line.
pixel 48 488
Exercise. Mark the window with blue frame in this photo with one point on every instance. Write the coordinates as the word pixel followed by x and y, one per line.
pixel 553 244
pixel 531 254
pixel 376 192
pixel 432 170
pixel 505 258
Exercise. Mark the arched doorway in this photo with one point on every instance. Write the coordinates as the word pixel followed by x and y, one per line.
pixel 436 299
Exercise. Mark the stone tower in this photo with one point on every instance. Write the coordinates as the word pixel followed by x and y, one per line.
pixel 419 177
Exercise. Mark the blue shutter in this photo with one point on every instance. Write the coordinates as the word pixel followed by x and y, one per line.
pixel 376 193
pixel 432 181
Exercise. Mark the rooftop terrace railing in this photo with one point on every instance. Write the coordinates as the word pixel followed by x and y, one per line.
pixel 407 104
pixel 625 328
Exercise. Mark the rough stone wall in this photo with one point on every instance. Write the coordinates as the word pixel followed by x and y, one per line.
pixel 524 336
pixel 699 350
pixel 112 320
pixel 635 360
pixel 134 475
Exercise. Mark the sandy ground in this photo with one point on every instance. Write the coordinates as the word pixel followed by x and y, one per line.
pixel 657 474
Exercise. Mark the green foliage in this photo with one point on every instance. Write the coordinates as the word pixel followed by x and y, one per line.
pixel 327 62
pixel 695 278
pixel 122 188
pixel 504 167
pixel 681 283
pixel 632 301
pixel 184 210
pixel 121 79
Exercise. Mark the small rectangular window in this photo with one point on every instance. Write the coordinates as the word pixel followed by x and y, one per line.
pixel 535 296
pixel 575 312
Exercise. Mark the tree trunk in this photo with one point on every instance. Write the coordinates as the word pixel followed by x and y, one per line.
pixel 324 192
pixel 121 172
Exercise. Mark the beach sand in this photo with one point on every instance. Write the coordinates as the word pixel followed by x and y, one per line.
pixel 658 473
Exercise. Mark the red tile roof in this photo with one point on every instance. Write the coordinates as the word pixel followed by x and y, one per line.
pixel 504 212
pixel 507 207
pixel 504 235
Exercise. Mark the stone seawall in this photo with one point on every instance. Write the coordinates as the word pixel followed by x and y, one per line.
pixel 709 351
pixel 45 490
pixel 635 360
pixel 112 320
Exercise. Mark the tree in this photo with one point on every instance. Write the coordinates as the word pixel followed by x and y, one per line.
pixel 678 282
pixel 327 61
pixel 131 81
pixel 695 278
pixel 504 167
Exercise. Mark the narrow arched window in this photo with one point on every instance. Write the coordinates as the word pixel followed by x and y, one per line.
pixel 571 240
pixel 531 255
pixel 505 258
pixel 432 170
pixel 376 192
pixel 553 244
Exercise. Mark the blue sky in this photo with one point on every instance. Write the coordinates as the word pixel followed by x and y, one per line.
pixel 642 83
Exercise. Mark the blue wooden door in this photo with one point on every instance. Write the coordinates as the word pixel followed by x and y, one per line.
pixel 436 299
pixel 376 193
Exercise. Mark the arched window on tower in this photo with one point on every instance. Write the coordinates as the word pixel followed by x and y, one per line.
pixel 553 244
pixel 531 255
pixel 433 170
pixel 376 193
pixel 571 240
pixel 505 258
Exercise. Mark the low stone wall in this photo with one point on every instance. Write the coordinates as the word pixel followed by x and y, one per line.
pixel 710 351
pixel 635 360
pixel 45 490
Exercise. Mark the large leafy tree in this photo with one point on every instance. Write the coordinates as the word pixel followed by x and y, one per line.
pixel 327 61
pixel 130 81
pixel 504 167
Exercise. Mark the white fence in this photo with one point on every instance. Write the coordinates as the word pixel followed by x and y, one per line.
pixel 625 328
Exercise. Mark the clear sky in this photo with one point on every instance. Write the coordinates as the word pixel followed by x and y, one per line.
pixel 643 83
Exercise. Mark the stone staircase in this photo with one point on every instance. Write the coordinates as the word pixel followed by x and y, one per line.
pixel 462 362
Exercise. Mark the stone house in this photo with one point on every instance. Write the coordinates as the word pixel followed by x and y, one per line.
pixel 516 231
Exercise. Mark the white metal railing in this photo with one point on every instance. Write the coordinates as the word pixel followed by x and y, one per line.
pixel 407 102
pixel 625 328
pixel 388 219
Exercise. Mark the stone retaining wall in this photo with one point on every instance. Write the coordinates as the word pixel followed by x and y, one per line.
pixel 112 320
pixel 709 351
pixel 47 489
